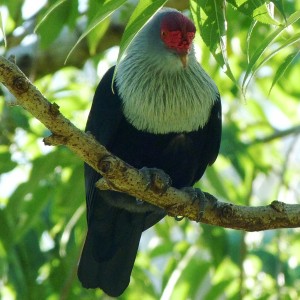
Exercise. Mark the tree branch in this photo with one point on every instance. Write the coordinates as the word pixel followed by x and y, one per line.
pixel 276 135
pixel 120 176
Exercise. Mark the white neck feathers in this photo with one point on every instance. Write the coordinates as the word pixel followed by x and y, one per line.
pixel 161 96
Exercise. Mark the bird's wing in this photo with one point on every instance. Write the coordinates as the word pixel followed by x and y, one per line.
pixel 210 136
pixel 103 122
pixel 113 233
pixel 106 111
pixel 214 131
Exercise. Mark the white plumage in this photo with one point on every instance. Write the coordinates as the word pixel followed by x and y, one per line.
pixel 153 95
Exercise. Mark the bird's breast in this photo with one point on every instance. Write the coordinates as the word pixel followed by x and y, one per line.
pixel 162 102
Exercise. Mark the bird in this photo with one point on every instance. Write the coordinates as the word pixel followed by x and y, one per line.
pixel 163 112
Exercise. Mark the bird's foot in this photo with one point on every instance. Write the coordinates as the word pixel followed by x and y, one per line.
pixel 156 180
pixel 197 195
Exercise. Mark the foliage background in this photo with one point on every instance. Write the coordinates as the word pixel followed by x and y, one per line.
pixel 42 205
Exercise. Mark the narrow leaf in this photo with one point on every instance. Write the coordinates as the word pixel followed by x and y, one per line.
pixel 249 38
pixel 213 30
pixel 48 12
pixel 283 67
pixel 2 28
pixel 279 6
pixel 142 13
pixel 259 10
pixel 263 14
pixel 286 44
pixel 263 46
pixel 105 11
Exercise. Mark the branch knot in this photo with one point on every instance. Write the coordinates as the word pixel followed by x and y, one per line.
pixel 226 210
pixel 108 165
pixel 54 109
pixel 278 206
pixel 21 84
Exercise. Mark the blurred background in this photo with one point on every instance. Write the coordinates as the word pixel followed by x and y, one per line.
pixel 251 50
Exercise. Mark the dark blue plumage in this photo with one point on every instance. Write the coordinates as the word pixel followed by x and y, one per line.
pixel 115 220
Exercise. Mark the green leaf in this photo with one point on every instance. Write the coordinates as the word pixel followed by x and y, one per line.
pixel 262 48
pixel 283 67
pixel 256 9
pixel 55 21
pixel 14 7
pixel 286 44
pixel 263 15
pixel 108 7
pixel 212 28
pixel 218 289
pixel 279 6
pixel 249 34
pixel 31 197
pixel 217 182
pixel 190 280
pixel 142 13
pixel 216 240
pixel 48 12
pixel 95 36
pixel 6 164
pixel 2 29
pixel 6 229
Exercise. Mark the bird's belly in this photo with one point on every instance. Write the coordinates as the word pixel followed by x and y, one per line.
pixel 176 154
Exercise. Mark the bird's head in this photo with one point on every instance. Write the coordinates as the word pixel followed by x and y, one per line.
pixel 177 33
pixel 165 42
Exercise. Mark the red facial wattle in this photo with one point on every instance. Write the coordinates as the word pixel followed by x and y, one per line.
pixel 178 40
pixel 177 33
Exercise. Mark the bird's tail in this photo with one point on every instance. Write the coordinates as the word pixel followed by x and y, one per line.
pixel 110 250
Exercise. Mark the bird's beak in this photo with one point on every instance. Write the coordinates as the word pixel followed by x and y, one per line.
pixel 184 59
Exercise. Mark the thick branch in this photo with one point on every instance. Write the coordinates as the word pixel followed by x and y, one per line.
pixel 122 177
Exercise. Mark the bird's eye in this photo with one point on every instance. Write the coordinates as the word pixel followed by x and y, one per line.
pixel 163 33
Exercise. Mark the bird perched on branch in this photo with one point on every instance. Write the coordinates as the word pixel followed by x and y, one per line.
pixel 164 113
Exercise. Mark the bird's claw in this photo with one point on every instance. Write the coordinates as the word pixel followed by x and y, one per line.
pixel 156 180
pixel 197 195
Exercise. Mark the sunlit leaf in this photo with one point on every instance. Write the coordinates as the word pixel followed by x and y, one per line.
pixel 263 46
pixel 217 183
pixel 2 28
pixel 217 290
pixel 262 14
pixel 56 21
pixel 14 7
pixel 142 13
pixel 249 34
pixel 259 10
pixel 212 28
pixel 280 6
pixel 104 11
pixel 286 44
pixel 95 36
pixel 48 12
pixel 192 278
pixel 283 67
